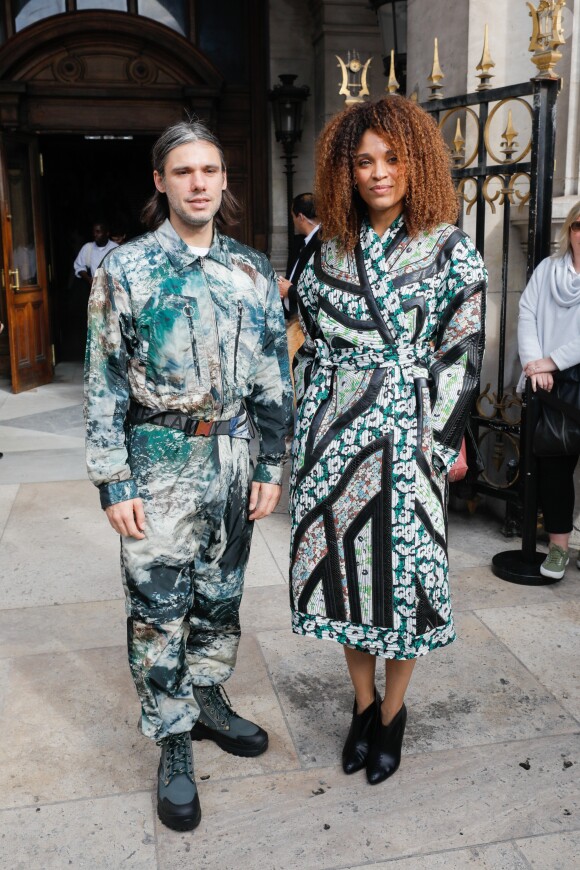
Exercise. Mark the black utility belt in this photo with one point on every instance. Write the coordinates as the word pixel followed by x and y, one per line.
pixel 178 420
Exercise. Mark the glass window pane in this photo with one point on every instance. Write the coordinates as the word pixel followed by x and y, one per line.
pixel 115 5
pixel 171 13
pixel 226 47
pixel 28 11
pixel 20 194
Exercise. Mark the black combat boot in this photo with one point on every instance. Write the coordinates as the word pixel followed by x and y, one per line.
pixel 218 722
pixel 177 799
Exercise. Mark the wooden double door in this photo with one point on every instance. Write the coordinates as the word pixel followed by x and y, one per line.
pixel 24 285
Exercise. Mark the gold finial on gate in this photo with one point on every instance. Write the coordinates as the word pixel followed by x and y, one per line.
pixel 458 155
pixel 485 65
pixel 392 85
pixel 436 75
pixel 509 146
pixel 547 35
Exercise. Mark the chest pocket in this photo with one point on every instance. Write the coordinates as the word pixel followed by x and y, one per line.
pixel 174 346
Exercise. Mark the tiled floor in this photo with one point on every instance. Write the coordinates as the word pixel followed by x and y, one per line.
pixel 491 771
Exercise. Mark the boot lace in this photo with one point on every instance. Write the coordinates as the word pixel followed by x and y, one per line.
pixel 178 756
pixel 219 704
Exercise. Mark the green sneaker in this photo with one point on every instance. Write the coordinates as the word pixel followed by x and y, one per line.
pixel 218 722
pixel 554 565
pixel 177 799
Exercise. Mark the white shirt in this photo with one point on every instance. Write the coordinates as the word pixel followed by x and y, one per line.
pixel 90 256
pixel 199 252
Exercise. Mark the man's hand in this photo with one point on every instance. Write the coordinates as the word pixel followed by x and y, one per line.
pixel 283 286
pixel 263 499
pixel 127 518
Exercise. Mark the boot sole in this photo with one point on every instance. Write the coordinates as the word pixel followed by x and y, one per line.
pixel 228 745
pixel 179 823
pixel 555 575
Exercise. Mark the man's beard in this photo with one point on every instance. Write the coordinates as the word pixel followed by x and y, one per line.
pixel 191 219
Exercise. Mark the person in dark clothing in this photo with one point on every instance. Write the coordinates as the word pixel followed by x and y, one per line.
pixel 303 212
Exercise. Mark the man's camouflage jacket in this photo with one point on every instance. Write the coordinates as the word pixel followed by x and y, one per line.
pixel 175 331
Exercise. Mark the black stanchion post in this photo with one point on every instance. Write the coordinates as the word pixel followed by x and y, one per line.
pixel 523 566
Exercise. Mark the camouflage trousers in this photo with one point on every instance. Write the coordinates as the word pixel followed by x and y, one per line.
pixel 184 581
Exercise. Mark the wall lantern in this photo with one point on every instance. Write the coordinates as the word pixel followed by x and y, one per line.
pixel 392 16
pixel 287 100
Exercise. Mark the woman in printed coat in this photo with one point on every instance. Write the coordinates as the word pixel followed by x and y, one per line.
pixel 392 303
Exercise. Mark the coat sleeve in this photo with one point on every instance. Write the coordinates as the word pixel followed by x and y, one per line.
pixel 567 355
pixel 458 350
pixel 308 312
pixel 270 401
pixel 529 345
pixel 109 343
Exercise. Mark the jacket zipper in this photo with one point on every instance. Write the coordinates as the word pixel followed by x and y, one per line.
pixel 237 341
pixel 219 404
pixel 188 311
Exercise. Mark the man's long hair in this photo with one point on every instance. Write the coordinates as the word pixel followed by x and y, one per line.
pixel 156 209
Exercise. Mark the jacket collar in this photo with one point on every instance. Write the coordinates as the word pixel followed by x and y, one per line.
pixel 181 256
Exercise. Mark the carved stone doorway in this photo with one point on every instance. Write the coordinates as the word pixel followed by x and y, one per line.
pixel 97 74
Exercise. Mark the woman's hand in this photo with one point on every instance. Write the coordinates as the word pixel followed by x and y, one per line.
pixel 545 381
pixel 538 371
pixel 540 366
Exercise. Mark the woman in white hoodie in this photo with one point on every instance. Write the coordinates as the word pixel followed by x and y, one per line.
pixel 549 340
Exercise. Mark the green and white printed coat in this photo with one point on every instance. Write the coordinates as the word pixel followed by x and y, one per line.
pixel 175 331
pixel 385 382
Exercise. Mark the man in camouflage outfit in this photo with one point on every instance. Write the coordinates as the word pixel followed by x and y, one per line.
pixel 186 335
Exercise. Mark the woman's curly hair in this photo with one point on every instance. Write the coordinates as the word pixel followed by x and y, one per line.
pixel 414 137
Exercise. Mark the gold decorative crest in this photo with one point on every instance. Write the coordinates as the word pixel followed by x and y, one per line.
pixel 354 78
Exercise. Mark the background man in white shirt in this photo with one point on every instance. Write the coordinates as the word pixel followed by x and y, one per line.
pixel 91 254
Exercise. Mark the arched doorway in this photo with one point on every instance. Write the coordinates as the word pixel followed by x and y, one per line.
pixel 82 97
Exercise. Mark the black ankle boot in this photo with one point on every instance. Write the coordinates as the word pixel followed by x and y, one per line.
pixel 385 752
pixel 356 748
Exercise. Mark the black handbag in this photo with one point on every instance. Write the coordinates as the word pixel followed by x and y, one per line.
pixel 558 429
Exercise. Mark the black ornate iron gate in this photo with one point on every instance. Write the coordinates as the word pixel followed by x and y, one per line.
pixel 498 186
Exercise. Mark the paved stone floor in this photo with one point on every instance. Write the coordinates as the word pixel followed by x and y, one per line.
pixel 491 771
